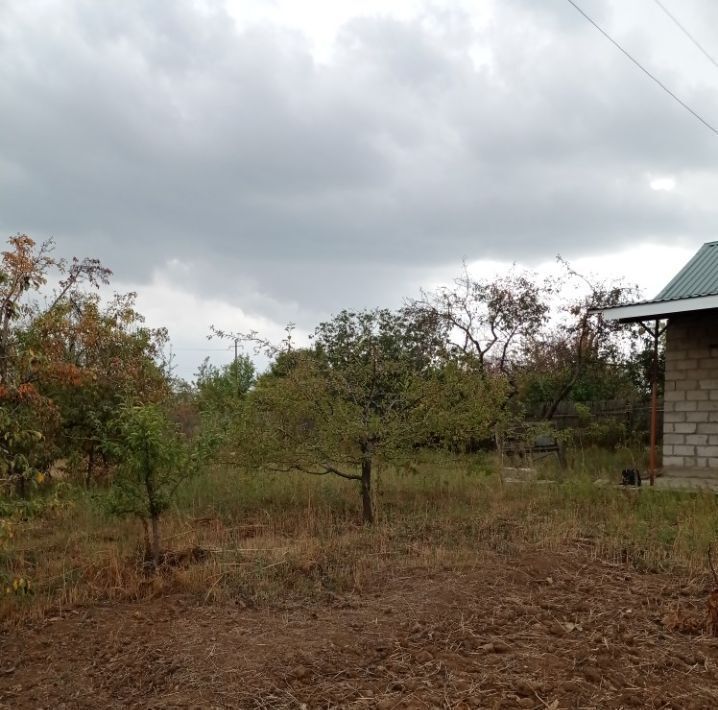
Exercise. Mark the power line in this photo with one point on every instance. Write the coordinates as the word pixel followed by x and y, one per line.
pixel 687 33
pixel 644 70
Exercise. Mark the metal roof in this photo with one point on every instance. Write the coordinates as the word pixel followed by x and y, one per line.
pixel 651 310
pixel 699 277
pixel 693 288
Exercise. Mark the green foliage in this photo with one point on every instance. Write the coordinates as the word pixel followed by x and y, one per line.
pixel 376 386
pixel 219 390
pixel 599 379
pixel 67 359
pixel 466 404
pixel 20 453
pixel 91 358
pixel 639 365
pixel 152 460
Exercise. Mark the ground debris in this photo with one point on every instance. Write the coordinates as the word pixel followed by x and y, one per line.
pixel 486 636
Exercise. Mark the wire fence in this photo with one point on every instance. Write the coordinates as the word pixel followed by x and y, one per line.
pixel 636 416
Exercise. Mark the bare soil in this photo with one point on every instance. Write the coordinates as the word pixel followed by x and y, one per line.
pixel 535 630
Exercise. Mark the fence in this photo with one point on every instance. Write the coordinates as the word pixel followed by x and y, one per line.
pixel 636 416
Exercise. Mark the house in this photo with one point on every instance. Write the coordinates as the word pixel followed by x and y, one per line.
pixel 689 305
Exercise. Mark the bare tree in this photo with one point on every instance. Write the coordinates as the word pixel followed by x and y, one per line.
pixel 582 337
pixel 491 321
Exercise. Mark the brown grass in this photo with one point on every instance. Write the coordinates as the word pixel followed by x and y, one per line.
pixel 281 537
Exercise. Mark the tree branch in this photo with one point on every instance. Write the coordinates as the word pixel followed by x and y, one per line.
pixel 327 470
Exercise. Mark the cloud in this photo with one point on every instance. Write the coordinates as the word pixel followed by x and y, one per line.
pixel 663 183
pixel 291 186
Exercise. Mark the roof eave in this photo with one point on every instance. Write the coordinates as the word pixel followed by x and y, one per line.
pixel 636 312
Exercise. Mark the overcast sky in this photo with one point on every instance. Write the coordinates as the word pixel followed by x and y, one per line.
pixel 252 162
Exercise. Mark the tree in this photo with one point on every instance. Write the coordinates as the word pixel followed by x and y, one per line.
pixel 28 418
pixel 220 389
pixel 491 322
pixel 547 345
pixel 66 360
pixel 153 459
pixel 24 269
pixel 640 363
pixel 579 340
pixel 371 388
pixel 91 357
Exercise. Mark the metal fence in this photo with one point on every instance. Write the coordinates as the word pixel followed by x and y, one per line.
pixel 635 416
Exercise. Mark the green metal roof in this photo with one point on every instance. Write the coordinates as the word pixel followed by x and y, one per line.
pixel 699 277
pixel 693 288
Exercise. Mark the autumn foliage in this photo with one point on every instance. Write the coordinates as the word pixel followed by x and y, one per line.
pixel 67 359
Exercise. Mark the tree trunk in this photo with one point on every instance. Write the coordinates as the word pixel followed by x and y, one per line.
pixel 367 506
pixel 156 551
pixel 577 371
pixel 146 531
pixel 152 508
pixel 21 486
pixel 564 392
pixel 89 473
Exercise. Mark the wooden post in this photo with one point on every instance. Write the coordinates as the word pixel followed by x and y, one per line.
pixel 654 407
pixel 655 333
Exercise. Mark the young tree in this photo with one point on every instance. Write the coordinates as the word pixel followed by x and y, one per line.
pixel 152 459
pixel 371 388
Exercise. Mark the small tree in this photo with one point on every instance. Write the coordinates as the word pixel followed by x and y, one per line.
pixel 153 460
pixel 374 387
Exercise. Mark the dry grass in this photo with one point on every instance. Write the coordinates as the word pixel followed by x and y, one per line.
pixel 534 630
pixel 281 537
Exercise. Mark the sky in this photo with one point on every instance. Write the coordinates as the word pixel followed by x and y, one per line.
pixel 248 163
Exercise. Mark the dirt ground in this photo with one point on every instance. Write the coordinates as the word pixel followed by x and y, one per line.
pixel 530 631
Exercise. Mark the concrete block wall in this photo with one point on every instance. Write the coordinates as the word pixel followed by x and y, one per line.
pixel 690 420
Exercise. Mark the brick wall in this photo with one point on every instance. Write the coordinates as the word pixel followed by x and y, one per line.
pixel 690 425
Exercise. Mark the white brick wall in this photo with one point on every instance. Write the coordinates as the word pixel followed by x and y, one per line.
pixel 690 422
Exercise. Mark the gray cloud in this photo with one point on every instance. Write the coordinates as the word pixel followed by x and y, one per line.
pixel 143 132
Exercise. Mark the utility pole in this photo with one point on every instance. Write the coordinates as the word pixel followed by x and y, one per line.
pixel 236 365
pixel 170 362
